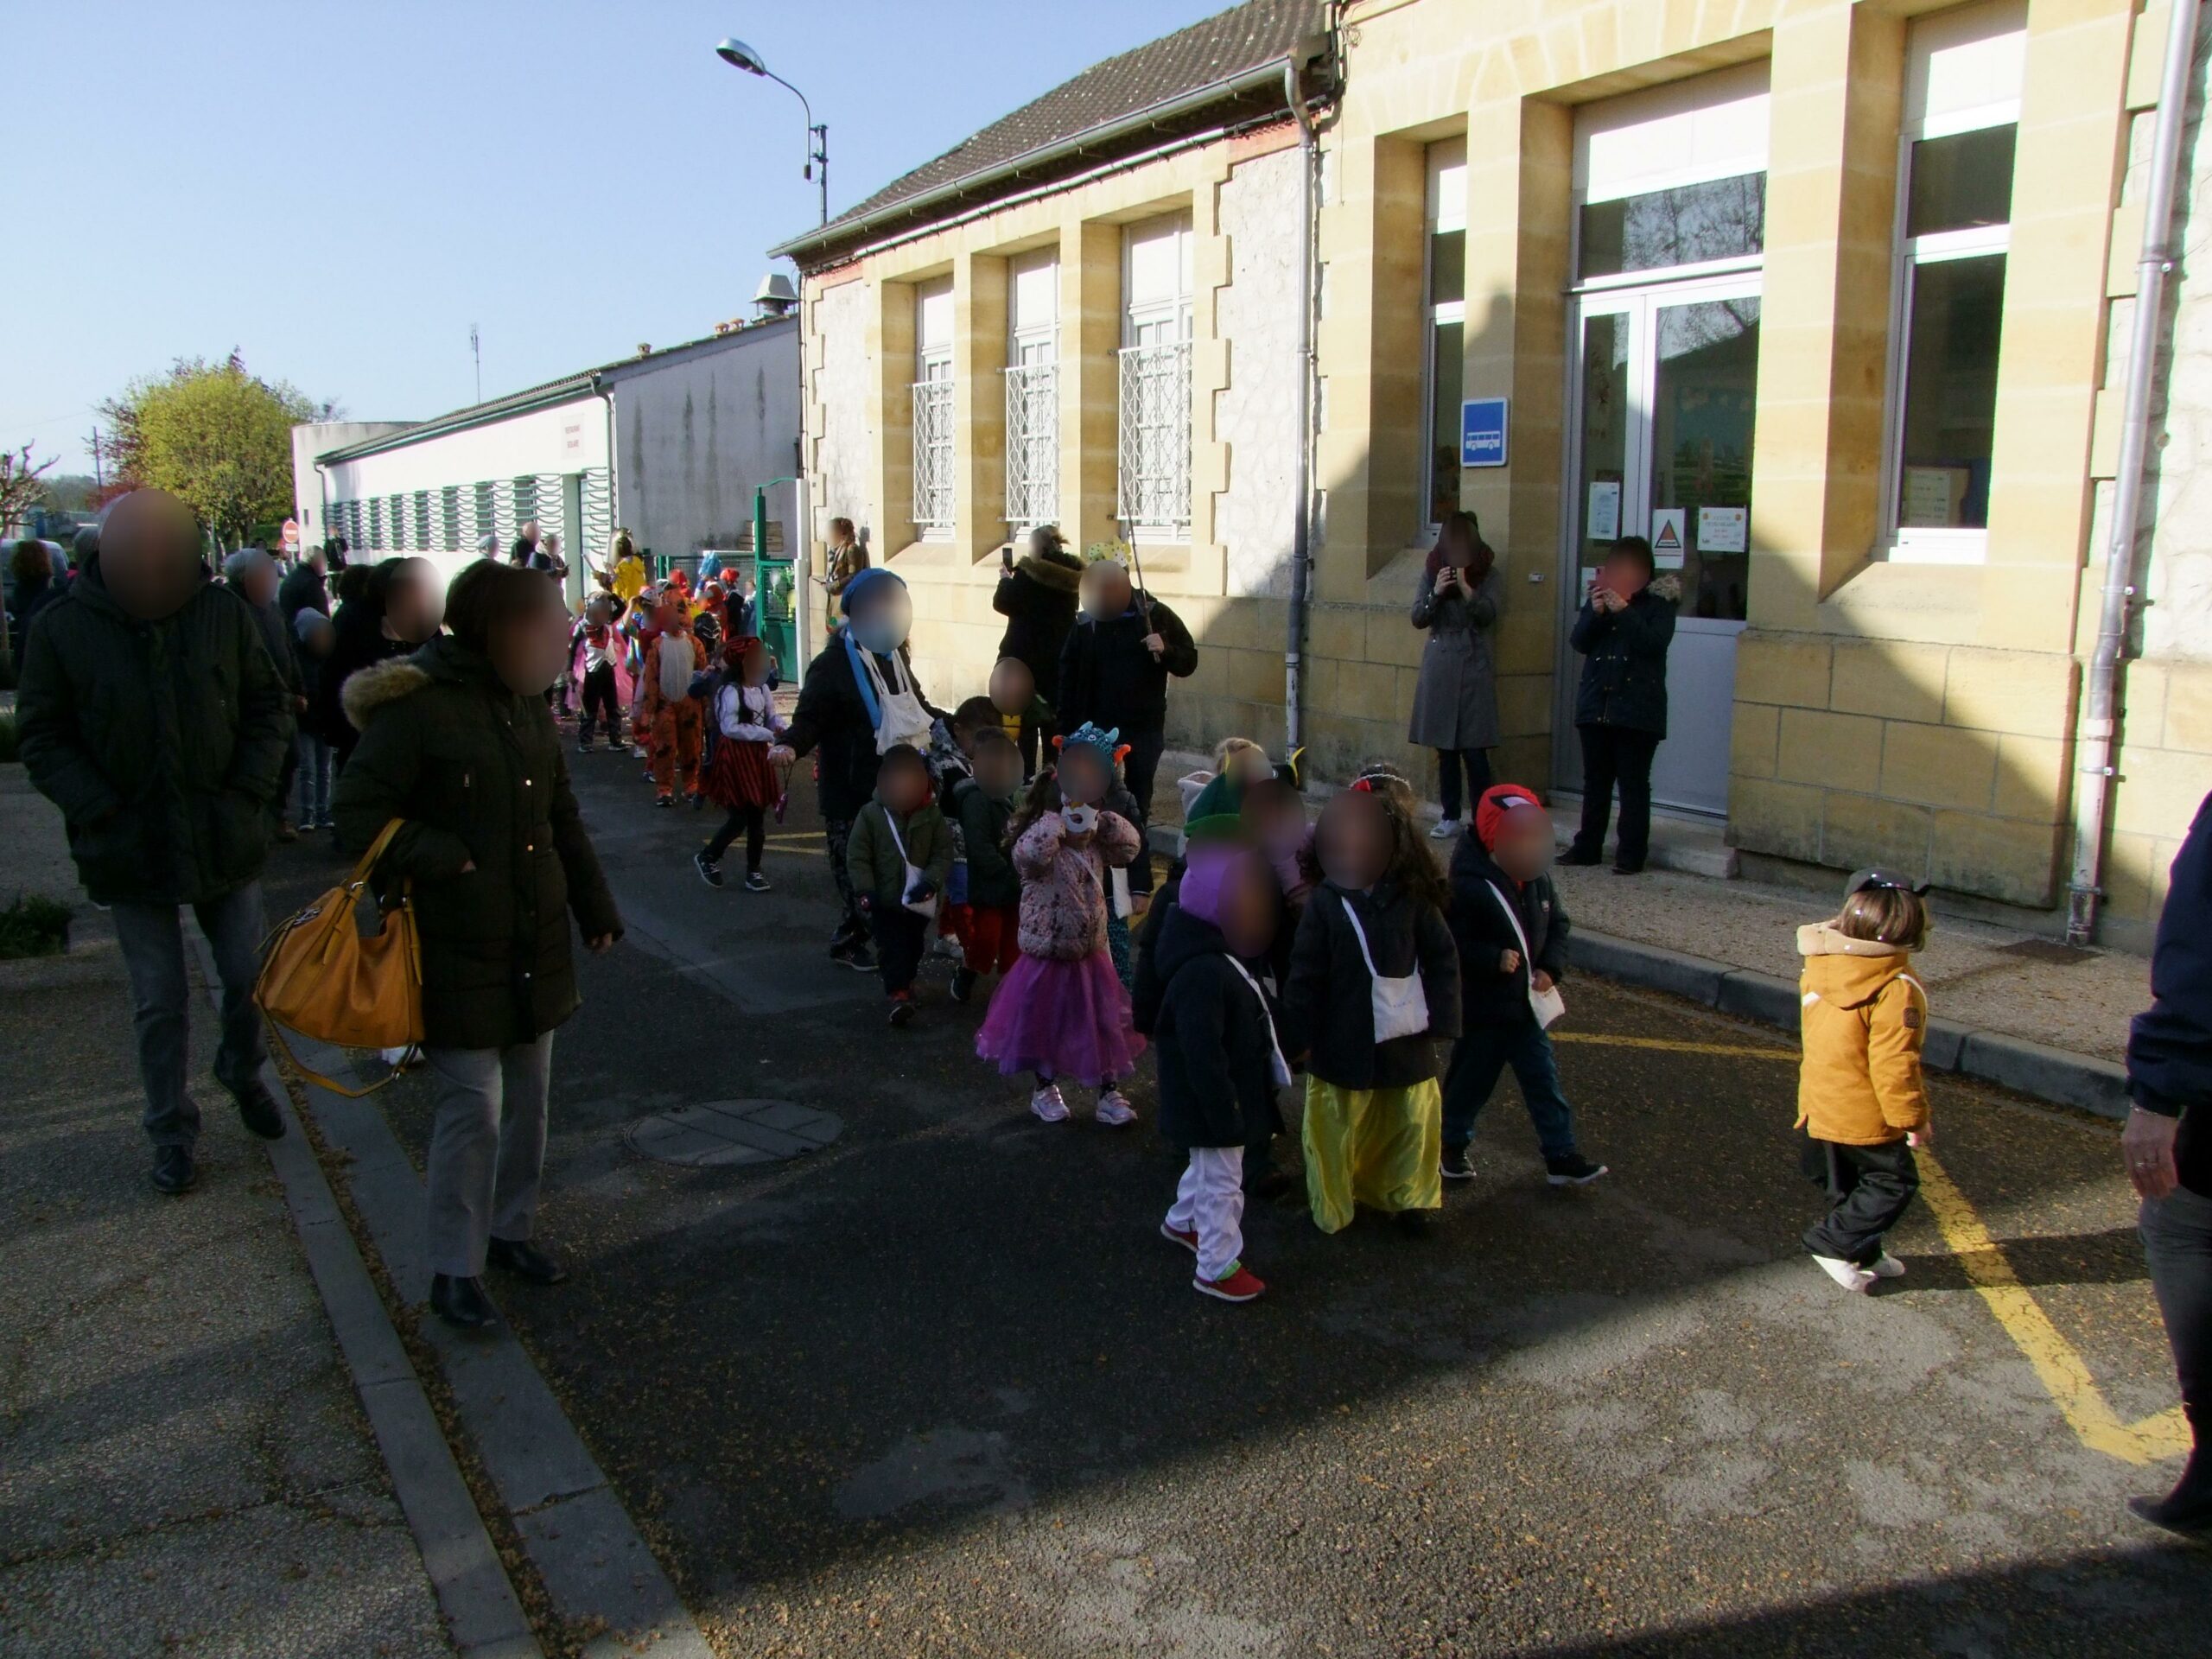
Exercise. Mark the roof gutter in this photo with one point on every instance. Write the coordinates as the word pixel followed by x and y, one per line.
pixel 1255 78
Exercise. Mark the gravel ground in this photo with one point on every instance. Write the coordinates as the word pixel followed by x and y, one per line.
pixel 184 1467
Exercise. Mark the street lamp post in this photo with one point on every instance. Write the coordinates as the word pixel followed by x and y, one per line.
pixel 738 54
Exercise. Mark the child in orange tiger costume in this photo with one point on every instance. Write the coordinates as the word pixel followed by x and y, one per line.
pixel 671 712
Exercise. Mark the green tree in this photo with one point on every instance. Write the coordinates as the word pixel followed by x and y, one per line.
pixel 216 437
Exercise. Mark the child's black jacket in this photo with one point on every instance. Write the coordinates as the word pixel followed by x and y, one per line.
pixel 1211 1036
pixel 1482 932
pixel 1328 1002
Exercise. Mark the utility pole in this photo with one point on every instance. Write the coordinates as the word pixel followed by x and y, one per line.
pixel 476 350
pixel 99 477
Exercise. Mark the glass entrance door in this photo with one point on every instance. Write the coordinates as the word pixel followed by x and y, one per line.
pixel 1664 388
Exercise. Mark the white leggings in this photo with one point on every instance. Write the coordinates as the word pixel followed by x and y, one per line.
pixel 1210 1198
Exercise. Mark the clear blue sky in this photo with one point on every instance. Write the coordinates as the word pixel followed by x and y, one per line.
pixel 339 189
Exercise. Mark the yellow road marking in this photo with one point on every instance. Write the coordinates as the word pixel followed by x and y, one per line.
pixel 2163 1434
pixel 1676 1046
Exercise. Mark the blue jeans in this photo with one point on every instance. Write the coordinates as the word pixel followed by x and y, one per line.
pixel 315 780
pixel 1477 1058
pixel 152 940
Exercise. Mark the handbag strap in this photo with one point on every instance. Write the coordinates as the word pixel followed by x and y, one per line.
pixel 1514 917
pixel 362 870
pixel 1266 1014
pixel 1359 933
pixel 897 840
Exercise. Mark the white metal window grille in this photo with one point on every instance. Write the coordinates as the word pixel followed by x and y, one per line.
pixel 525 502
pixel 376 524
pixel 423 542
pixel 932 395
pixel 1033 390
pixel 1154 474
pixel 599 514
pixel 1032 444
pixel 486 520
pixel 449 517
pixel 1444 291
pixel 395 521
pixel 1963 70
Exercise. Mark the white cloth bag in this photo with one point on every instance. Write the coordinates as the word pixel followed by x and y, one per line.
pixel 914 874
pixel 1547 1005
pixel 1401 1006
pixel 900 719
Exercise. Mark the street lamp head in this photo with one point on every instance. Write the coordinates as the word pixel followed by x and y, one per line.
pixel 738 54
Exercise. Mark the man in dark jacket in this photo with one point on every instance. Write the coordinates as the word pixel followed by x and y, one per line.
pixel 304 588
pixel 1115 668
pixel 2168 1147
pixel 859 697
pixel 1512 930
pixel 1037 596
pixel 1626 624
pixel 151 716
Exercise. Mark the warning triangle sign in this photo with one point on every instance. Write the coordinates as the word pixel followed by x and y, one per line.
pixel 1670 537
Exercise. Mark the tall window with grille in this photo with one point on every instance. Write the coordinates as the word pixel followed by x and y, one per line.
pixel 423 542
pixel 449 518
pixel 525 504
pixel 1033 390
pixel 376 524
pixel 1954 215
pixel 933 393
pixel 487 514
pixel 1444 295
pixel 1155 380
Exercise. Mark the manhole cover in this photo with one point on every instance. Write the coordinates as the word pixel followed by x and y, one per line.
pixel 717 1133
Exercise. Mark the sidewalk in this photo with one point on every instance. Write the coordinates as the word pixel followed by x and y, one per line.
pixel 184 1464
pixel 2011 1007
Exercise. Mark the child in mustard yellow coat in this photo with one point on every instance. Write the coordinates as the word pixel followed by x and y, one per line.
pixel 1861 1099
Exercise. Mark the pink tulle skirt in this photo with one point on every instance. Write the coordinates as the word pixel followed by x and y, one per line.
pixel 1065 1020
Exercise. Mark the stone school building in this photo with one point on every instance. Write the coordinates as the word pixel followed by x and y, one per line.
pixel 1831 301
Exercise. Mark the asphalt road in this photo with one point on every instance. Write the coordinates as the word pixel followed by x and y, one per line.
pixel 941 1388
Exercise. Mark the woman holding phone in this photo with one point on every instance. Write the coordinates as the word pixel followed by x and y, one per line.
pixel 1620 708
pixel 1455 701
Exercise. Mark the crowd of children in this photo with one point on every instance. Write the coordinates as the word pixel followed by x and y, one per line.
pixel 1275 945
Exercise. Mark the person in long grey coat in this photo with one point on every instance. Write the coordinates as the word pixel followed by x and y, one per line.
pixel 1455 701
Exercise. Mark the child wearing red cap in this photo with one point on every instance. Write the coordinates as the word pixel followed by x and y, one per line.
pixel 1511 931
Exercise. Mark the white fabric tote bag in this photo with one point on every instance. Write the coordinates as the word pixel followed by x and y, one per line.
pixel 914 876
pixel 1547 1005
pixel 1401 1006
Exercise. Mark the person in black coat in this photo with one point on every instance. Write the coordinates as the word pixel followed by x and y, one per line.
pixel 304 588
pixel 1114 669
pixel 1220 1062
pixel 1038 597
pixel 859 698
pixel 400 606
pixel 2168 1147
pixel 1512 930
pixel 1620 706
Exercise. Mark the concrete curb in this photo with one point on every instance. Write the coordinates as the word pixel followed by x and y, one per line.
pixel 2056 1074
pixel 484 1617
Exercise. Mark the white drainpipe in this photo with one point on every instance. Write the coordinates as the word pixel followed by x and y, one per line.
pixel 2101 704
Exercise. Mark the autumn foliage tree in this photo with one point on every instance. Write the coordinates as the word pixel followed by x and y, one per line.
pixel 213 436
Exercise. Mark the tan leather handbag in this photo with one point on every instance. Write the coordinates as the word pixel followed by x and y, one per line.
pixel 325 978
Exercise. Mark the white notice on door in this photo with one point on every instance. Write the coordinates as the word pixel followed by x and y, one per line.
pixel 1668 525
pixel 1603 521
pixel 1723 530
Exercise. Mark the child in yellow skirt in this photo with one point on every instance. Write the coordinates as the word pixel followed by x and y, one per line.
pixel 1374 987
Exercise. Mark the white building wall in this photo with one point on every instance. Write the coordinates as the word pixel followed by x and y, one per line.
pixel 699 433
pixel 314 438
pixel 845 385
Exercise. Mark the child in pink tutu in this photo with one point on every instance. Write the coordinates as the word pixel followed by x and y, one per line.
pixel 1061 1012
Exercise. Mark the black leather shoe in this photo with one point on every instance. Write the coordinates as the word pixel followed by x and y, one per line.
pixel 525 1261
pixel 257 1111
pixel 460 1302
pixel 173 1170
pixel 1576 855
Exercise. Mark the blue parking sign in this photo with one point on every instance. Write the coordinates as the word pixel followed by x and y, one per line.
pixel 1482 432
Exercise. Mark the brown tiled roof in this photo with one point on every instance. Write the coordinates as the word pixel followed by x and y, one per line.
pixel 1205 54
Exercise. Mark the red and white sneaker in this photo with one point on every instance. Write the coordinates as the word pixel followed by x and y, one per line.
pixel 1241 1285
pixel 1188 1240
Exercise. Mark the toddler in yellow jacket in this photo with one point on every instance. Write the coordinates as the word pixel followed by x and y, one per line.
pixel 1860 1100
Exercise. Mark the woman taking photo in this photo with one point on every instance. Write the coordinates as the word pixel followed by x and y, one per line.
pixel 1455 701
pixel 456 742
pixel 1620 708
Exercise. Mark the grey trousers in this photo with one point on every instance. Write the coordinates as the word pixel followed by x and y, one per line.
pixel 152 940
pixel 487 1149
pixel 2177 1244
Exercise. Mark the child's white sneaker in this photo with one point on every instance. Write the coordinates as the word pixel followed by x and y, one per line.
pixel 1047 1104
pixel 1115 1111
pixel 1851 1278
pixel 1445 829
pixel 1886 1266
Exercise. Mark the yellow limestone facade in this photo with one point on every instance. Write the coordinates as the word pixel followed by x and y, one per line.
pixel 1884 709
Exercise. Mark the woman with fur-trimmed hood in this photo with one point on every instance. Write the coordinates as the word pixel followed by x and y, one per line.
pixel 1620 709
